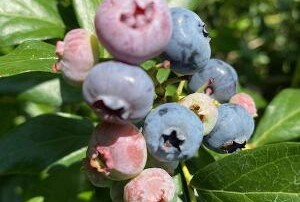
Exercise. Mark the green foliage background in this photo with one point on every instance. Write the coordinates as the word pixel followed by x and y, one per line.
pixel 45 125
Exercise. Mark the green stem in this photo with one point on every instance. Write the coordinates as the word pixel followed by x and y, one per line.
pixel 205 86
pixel 175 80
pixel 202 88
pixel 180 87
pixel 188 177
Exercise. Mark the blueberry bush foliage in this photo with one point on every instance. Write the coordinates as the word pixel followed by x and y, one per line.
pixel 45 125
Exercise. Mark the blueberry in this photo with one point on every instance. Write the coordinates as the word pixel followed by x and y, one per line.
pixel 245 101
pixel 233 129
pixel 117 151
pixel 134 31
pixel 222 79
pixel 118 91
pixel 153 184
pixel 204 107
pixel 172 132
pixel 77 54
pixel 188 49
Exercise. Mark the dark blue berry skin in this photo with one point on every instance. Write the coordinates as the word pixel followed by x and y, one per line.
pixel 223 80
pixel 118 91
pixel 172 132
pixel 188 49
pixel 233 129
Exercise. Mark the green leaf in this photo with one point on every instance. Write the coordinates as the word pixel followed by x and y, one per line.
pixel 201 159
pixel 9 107
pixel 268 173
pixel 29 56
pixel 281 119
pixel 12 187
pixel 68 160
pixel 170 90
pixel 41 141
pixel 148 65
pixel 40 87
pixel 162 75
pixel 22 20
pixel 85 13
pixel 65 184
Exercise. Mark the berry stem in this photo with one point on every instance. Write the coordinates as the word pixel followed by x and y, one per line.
pixel 188 177
pixel 180 87
pixel 201 88
pixel 250 146
pixel 206 87
pixel 175 80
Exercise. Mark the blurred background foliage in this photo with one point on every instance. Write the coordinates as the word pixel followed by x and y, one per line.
pixel 259 38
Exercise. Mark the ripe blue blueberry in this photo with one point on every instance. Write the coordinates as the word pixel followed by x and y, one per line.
pixel 188 49
pixel 172 132
pixel 233 129
pixel 222 79
pixel 118 91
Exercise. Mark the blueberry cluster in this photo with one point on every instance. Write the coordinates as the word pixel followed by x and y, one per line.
pixel 140 162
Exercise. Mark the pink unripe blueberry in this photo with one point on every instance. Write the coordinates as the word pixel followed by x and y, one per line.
pixel 151 185
pixel 134 30
pixel 117 151
pixel 77 54
pixel 245 101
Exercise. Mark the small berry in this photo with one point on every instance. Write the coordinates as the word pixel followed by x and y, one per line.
pixel 117 151
pixel 233 129
pixel 245 101
pixel 172 132
pixel 118 92
pixel 134 31
pixel 204 107
pixel 222 79
pixel 188 49
pixel 151 185
pixel 77 54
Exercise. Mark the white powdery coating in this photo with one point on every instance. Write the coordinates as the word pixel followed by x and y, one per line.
pixel 151 185
pixel 77 55
pixel 204 107
pixel 120 85
pixel 245 101
pixel 134 30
